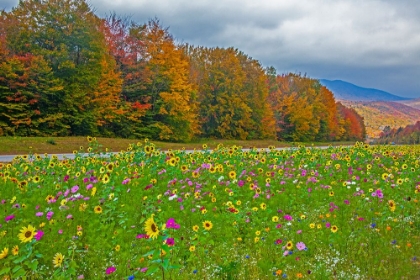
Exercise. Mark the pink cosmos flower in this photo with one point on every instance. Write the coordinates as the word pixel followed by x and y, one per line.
pixel 172 224
pixel 38 235
pixel 300 246
pixel 287 217
pixel 170 242
pixel 9 218
pixel 110 270
pixel 49 215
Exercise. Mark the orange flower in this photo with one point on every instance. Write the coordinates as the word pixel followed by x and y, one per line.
pixel 388 228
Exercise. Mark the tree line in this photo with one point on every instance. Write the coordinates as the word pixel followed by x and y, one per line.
pixel 402 135
pixel 65 71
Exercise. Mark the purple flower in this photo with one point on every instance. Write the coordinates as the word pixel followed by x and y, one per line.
pixel 300 246
pixel 279 241
pixel 170 242
pixel 9 218
pixel 38 235
pixel 49 215
pixel 171 224
pixel 74 189
pixel 39 214
pixel 287 217
pixel 60 231
pixel 110 270
pixel 144 269
pixel 69 216
pixel 88 187
pixel 328 225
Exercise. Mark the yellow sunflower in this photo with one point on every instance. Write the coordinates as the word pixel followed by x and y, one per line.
pixel 151 228
pixel 195 228
pixel 207 225
pixel 4 253
pixel 58 260
pixel 289 245
pixel 334 229
pixel 15 250
pixel 98 209
pixel 26 234
pixel 391 205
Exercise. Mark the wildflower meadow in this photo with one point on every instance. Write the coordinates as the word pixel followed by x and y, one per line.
pixel 348 212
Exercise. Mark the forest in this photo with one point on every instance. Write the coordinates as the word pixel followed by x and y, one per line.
pixel 64 71
pixel 402 135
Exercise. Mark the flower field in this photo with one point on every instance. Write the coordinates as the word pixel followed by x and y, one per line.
pixel 226 213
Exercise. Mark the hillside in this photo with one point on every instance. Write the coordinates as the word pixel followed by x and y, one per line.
pixel 415 103
pixel 347 91
pixel 378 114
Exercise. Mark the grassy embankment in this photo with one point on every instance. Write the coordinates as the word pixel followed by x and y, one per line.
pixel 54 145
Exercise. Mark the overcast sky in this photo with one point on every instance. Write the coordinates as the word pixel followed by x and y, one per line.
pixel 371 43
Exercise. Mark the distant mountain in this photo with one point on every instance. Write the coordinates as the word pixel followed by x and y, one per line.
pixel 346 91
pixel 379 114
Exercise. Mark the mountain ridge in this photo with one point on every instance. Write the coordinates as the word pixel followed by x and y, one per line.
pixel 343 90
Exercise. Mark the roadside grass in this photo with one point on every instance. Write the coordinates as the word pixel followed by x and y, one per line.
pixel 58 145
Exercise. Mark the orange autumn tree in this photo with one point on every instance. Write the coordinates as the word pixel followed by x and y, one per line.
pixel 352 123
pixel 306 111
pixel 231 93
pixel 173 111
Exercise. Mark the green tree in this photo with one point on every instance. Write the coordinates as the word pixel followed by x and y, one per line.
pixel 67 34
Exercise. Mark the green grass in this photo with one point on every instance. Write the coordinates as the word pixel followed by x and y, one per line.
pixel 54 145
pixel 237 212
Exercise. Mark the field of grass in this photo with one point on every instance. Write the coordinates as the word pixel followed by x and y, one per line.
pixel 335 213
pixel 56 145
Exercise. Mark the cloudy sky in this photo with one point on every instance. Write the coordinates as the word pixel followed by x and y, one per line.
pixel 371 43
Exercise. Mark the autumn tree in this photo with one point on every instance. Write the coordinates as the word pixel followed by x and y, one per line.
pixel 351 123
pixel 66 34
pixel 231 93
